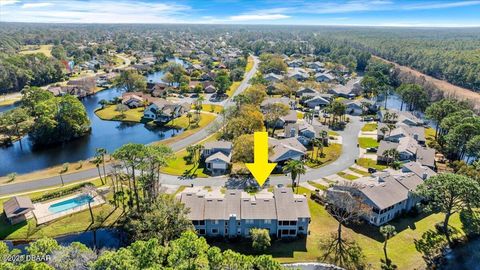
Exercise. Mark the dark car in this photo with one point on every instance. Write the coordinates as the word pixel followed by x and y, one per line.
pixel 372 149
pixel 372 170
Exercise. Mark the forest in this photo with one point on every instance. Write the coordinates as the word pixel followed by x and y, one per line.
pixel 448 54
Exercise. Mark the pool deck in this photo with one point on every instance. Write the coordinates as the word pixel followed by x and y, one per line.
pixel 43 215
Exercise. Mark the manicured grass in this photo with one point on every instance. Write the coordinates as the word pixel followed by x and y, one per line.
pixel 109 113
pixel 367 142
pixel 364 173
pixel 182 122
pixel 210 108
pixel 332 152
pixel 333 133
pixel 347 176
pixel 370 127
pixel 77 222
pixel 317 185
pixel 370 163
pixel 233 88
pixel 401 247
pixel 430 135
pixel 31 49
pixel 249 64
pixel 179 166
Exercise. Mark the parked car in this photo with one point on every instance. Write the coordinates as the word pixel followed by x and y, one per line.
pixel 372 170
pixel 372 149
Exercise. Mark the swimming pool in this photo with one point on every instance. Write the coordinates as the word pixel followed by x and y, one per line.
pixel 70 203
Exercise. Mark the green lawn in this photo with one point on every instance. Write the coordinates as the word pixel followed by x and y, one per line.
pixel 401 247
pixel 332 152
pixel 370 127
pixel 249 64
pixel 430 135
pixel 182 122
pixel 347 176
pixel 370 163
pixel 77 222
pixel 333 133
pixel 367 142
pixel 179 166
pixel 317 185
pixel 233 88
pixel 31 49
pixel 109 113
pixel 364 173
pixel 210 108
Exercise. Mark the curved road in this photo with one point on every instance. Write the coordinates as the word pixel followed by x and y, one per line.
pixel 350 152
pixel 92 173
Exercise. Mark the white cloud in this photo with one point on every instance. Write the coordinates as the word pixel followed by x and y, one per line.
pixel 258 17
pixel 100 11
pixel 439 5
pixel 36 5
pixel 8 2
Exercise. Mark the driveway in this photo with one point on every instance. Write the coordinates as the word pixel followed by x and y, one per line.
pixel 350 152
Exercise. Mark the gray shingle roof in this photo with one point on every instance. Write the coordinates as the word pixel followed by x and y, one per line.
pixel 16 206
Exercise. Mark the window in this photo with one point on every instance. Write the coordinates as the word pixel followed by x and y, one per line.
pixel 201 231
pixel 201 223
pixel 214 231
pixel 284 232
pixel 249 221
pixel 301 228
pixel 293 223
pixel 195 222
pixel 292 232
pixel 268 221
pixel 215 221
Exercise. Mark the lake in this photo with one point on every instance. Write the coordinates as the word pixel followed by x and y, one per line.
pixel 21 157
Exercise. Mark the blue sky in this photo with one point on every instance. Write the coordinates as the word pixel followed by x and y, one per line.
pixel 446 13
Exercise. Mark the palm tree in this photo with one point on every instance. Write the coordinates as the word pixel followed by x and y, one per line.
pixel 97 161
pixel 90 191
pixel 189 116
pixel 392 155
pixel 388 231
pixel 296 168
pixel 64 170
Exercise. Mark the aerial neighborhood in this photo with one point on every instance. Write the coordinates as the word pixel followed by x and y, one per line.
pixel 145 136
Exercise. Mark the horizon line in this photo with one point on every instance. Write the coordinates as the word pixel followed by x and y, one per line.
pixel 253 24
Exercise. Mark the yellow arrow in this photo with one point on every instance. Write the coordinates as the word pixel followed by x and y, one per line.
pixel 260 169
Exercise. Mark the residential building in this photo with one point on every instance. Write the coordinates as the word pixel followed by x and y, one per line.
pixel 389 193
pixel 401 131
pixel 233 214
pixel 316 101
pixel 163 111
pixel 285 150
pixel 18 209
pixel 217 155
pixel 273 78
pixel 409 150
pixel 324 77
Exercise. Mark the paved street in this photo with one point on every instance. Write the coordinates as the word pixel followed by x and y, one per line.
pixel 92 173
pixel 350 152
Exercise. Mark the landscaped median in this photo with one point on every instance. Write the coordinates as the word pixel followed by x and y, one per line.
pixel 330 154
